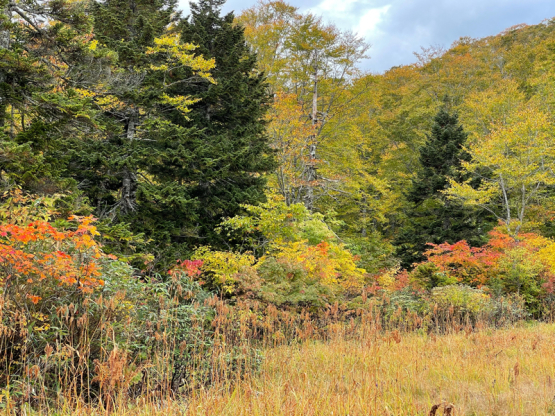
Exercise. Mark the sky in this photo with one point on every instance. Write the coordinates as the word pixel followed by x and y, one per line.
pixel 398 28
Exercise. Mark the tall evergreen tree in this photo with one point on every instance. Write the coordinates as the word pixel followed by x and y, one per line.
pixel 231 151
pixel 39 108
pixel 433 218
pixel 170 170
pixel 116 168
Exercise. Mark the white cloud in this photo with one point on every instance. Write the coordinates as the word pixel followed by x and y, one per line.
pixel 368 23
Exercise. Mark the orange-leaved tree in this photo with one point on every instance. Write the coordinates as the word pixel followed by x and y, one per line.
pixel 522 266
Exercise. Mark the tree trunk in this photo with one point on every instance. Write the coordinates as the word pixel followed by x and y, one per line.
pixel 312 174
pixel 4 45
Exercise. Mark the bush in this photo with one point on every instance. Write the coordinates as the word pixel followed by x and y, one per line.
pixel 75 322
pixel 461 300
pixel 53 318
pixel 522 266
pixel 287 282
pixel 429 276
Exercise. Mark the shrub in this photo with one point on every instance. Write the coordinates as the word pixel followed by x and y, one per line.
pixel 461 299
pixel 287 282
pixel 75 322
pixel 52 314
pixel 523 267
pixel 228 273
pixel 429 275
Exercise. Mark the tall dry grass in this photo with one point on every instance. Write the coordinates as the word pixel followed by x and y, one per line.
pixel 360 369
pixel 501 372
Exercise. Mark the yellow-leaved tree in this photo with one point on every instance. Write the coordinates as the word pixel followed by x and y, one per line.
pixel 514 164
pixel 310 66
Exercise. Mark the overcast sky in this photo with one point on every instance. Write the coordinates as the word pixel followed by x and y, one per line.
pixel 397 28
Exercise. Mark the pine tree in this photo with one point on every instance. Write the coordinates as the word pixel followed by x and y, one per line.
pixel 433 218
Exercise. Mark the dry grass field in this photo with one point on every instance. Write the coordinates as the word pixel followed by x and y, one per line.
pixel 503 372
pixel 486 372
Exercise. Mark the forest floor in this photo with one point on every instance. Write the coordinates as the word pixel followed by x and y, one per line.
pixel 488 372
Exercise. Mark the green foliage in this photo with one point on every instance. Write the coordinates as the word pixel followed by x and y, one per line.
pixel 227 272
pixel 429 276
pixel 286 283
pixel 301 261
pixel 461 299
pixel 274 223
pixel 433 218
pixel 523 275
pixel 230 148
pixel 373 252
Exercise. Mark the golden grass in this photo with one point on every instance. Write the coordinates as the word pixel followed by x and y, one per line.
pixel 489 372
pixel 503 372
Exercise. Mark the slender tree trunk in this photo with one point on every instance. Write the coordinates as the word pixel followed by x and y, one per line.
pixel 4 45
pixel 311 168
pixel 131 125
pixel 363 214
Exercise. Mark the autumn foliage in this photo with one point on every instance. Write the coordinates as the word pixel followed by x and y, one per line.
pixel 522 266
pixel 33 253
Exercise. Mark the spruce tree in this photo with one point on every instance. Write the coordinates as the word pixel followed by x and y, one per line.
pixel 432 217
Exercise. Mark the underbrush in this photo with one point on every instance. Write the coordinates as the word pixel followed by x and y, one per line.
pixel 156 343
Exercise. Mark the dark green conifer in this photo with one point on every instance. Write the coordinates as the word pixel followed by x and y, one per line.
pixel 433 218
pixel 231 151
pixel 39 108
pixel 172 176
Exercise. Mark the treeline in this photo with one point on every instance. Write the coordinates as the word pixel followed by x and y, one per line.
pixel 172 184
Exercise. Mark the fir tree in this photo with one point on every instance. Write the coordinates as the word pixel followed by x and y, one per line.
pixel 433 218
pixel 39 108
pixel 170 174
pixel 231 151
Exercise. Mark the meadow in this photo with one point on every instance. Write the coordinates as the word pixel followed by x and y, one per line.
pixel 363 371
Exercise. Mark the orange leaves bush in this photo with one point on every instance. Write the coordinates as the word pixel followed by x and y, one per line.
pixel 502 256
pixel 35 252
pixel 330 263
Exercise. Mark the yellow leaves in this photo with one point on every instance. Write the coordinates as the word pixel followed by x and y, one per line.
pixel 110 102
pixel 515 160
pixel 329 263
pixel 223 265
pixel 175 55
pixel 93 44
pixel 291 134
pixel 482 110
pixel 84 93
pixel 180 102
pixel 387 280
pixel 519 147
pixel 483 195
pixel 179 55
